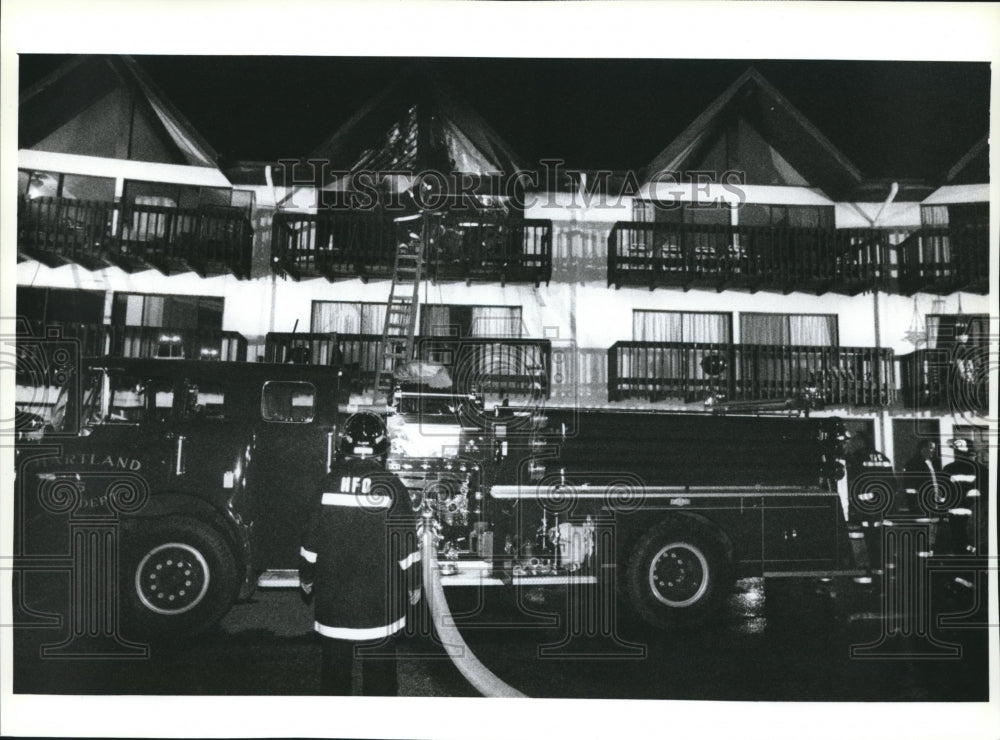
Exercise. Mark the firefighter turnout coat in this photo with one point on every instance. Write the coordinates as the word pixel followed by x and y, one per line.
pixel 360 553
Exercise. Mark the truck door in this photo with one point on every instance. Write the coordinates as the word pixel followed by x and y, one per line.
pixel 208 438
pixel 294 442
pixel 125 426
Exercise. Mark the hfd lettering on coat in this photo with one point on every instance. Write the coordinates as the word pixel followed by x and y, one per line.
pixel 350 484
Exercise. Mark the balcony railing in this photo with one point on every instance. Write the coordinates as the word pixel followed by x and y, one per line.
pixel 39 347
pixel 492 365
pixel 690 371
pixel 209 241
pixel 816 260
pixel 351 244
pixel 580 375
pixel 946 259
pixel 930 379
pixel 175 344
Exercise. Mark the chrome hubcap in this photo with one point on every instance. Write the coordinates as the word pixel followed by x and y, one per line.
pixel 172 578
pixel 678 575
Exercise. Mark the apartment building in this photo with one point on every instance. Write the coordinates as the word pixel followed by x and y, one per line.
pixel 750 262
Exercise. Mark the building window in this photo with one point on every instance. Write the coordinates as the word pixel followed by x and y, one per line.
pixel 167 311
pixel 187 196
pixel 34 184
pixel 60 305
pixel 943 330
pixel 715 214
pixel 785 216
pixel 955 215
pixel 681 326
pixel 346 317
pixel 806 330
pixel 471 321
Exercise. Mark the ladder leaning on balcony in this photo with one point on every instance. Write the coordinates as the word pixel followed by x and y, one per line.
pixel 399 328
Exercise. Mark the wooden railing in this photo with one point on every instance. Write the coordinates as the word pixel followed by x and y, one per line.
pixel 167 343
pixel 41 346
pixel 946 259
pixel 209 240
pixel 492 365
pixel 690 371
pixel 580 375
pixel 347 244
pixel 816 260
pixel 931 379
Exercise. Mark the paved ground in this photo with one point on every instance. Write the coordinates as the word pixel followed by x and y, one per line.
pixel 791 641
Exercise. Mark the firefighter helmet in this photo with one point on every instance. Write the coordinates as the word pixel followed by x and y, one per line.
pixel 364 435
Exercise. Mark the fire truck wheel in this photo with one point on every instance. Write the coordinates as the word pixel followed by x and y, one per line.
pixel 677 572
pixel 179 577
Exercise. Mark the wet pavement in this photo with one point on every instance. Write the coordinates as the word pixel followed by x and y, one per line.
pixel 784 641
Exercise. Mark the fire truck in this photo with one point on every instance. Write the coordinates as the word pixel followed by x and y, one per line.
pixel 203 471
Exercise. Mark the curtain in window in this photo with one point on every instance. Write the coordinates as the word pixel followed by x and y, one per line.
pixel 345 317
pixel 764 329
pixel 336 317
pixel 437 321
pixel 813 330
pixel 657 326
pixel 934 215
pixel 706 327
pixel 372 318
pixel 678 326
pixel 496 321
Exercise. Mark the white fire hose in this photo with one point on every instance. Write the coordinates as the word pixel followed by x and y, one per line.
pixel 482 678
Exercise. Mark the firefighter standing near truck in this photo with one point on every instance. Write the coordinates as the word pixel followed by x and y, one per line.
pixel 360 560
pixel 969 477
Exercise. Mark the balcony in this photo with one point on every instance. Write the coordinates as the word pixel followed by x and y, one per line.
pixel 175 344
pixel 493 365
pixel 349 244
pixel 690 372
pixel 208 241
pixel 654 255
pixel 946 259
pixel 929 380
pixel 39 346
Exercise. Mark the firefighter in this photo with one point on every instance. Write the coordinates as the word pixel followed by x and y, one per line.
pixel 360 556
pixel 923 477
pixel 967 476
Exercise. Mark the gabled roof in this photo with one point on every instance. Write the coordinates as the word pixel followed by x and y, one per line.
pixel 973 168
pixel 418 123
pixel 799 148
pixel 107 106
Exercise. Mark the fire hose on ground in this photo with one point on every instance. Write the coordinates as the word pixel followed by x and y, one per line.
pixel 482 678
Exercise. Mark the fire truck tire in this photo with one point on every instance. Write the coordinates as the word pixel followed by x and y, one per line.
pixel 178 577
pixel 677 572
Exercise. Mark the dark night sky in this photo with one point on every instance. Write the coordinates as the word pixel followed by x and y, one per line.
pixel 892 119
